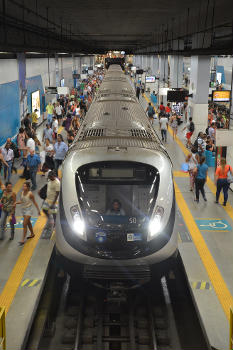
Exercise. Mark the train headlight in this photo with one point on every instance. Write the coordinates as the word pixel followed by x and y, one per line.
pixel 155 223
pixel 78 224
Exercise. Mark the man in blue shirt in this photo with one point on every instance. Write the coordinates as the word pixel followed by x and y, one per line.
pixel 201 177
pixel 33 164
pixel 60 150
pixel 48 133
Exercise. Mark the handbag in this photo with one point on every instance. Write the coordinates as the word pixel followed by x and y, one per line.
pixel 229 177
pixel 13 219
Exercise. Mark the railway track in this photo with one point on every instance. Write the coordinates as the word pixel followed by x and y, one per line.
pixel 86 317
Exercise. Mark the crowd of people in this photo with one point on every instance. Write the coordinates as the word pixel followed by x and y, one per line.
pixel 45 154
pixel 199 147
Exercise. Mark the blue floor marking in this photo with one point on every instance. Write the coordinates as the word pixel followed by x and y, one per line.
pixel 19 222
pixel 213 225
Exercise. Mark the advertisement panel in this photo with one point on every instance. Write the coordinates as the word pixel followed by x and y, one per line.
pixel 221 95
pixel 36 102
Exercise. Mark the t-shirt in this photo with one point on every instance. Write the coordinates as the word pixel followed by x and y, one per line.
pixel 167 109
pixel 150 110
pixel 55 126
pixel 201 171
pixel 31 144
pixel 58 110
pixel 34 117
pixel 161 107
pixel 163 122
pixel 201 143
pixel 223 174
pixel 48 134
pixel 53 187
pixel 49 109
pixel 211 133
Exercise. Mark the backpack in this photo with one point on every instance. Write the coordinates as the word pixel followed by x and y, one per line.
pixel 43 192
pixel 195 145
pixel 191 127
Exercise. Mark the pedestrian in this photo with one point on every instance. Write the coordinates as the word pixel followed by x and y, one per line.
pixel 138 91
pixel 60 150
pixel 34 119
pixel 49 162
pixel 2 160
pixel 59 111
pixel 49 206
pixel 190 127
pixel 201 146
pixel 2 189
pixel 150 112
pixel 49 110
pixel 221 180
pixel 55 126
pixel 174 125
pixel 8 201
pixel 27 199
pixel 8 156
pixel 48 133
pixel 27 122
pixel 168 110
pixel 21 142
pixel 163 123
pixel 212 131
pixel 161 107
pixel 201 177
pixel 192 161
pixel 33 164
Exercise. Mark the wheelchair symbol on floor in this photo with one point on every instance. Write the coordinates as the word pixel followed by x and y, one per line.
pixel 213 225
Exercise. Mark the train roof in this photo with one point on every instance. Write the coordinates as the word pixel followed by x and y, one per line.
pixel 116 118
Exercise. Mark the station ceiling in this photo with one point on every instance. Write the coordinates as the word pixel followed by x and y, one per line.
pixel 133 26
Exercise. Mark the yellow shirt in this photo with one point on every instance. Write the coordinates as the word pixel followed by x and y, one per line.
pixel 34 118
pixel 49 109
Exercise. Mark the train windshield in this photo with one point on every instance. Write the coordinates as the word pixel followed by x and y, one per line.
pixel 117 193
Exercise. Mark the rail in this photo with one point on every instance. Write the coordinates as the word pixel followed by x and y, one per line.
pixel 2 329
pixel 231 330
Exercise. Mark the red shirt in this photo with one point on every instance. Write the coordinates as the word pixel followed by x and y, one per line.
pixel 161 107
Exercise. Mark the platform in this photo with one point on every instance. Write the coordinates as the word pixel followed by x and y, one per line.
pixel 205 245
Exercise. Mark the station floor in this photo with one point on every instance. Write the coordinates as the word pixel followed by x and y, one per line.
pixel 205 245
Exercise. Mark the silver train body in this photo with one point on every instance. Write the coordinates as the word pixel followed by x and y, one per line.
pixel 116 156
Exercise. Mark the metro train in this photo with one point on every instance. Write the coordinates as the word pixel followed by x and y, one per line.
pixel 117 204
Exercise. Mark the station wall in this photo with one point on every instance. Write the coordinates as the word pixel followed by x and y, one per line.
pixel 39 73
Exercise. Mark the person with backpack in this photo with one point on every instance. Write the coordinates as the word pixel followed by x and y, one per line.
pixel 190 127
pixel 201 172
pixel 150 112
pixel 221 180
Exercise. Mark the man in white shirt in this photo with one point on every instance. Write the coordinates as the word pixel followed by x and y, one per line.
pixel 163 122
pixel 8 156
pixel 31 146
pixel 55 126
pixel 49 206
pixel 58 110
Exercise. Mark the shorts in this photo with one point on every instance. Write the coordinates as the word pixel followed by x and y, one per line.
pixel 46 207
pixel 189 135
pixel 59 116
pixel 27 211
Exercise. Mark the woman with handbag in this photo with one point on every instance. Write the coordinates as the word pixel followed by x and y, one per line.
pixel 27 200
pixel 8 201
pixel 221 180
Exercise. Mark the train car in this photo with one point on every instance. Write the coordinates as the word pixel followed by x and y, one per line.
pixel 117 203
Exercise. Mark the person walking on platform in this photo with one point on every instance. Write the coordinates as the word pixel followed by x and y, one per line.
pixel 221 180
pixel 201 176
pixel 27 199
pixel 60 150
pixel 49 110
pixel 150 112
pixel 8 201
pixel 8 156
pixel 34 119
pixel 192 161
pixel 49 206
pixel 33 164
pixel 174 125
pixel 163 122
pixel 138 91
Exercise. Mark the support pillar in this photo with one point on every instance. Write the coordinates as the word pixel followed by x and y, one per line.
pixel 176 71
pixel 21 61
pixel 163 70
pixel 57 70
pixel 199 87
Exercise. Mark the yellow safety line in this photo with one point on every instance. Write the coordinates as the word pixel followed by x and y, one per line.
pixel 208 261
pixel 32 283
pixel 13 282
pixel 180 174
pixel 228 208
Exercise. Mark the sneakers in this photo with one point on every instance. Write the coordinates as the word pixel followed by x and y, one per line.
pixel 205 199
pixel 196 200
